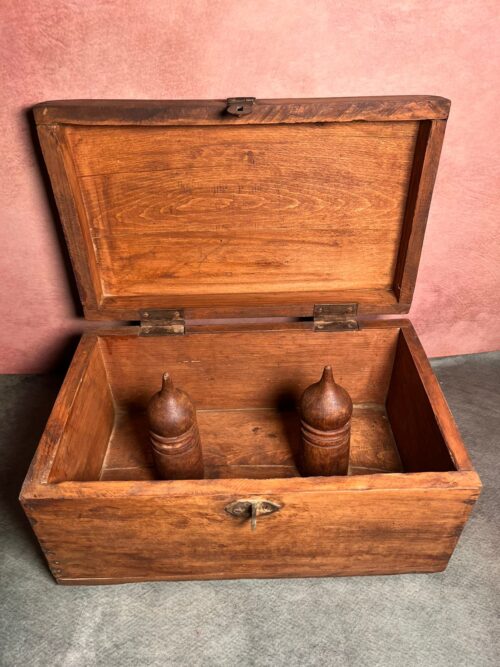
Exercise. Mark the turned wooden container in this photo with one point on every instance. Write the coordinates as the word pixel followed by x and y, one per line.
pixel 326 410
pixel 174 434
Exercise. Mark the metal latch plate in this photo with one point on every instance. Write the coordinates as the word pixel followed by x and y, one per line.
pixel 336 317
pixel 252 509
pixel 240 106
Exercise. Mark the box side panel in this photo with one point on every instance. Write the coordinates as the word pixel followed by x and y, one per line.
pixel 110 540
pixel 61 169
pixel 426 160
pixel 58 431
pixel 236 370
pixel 423 426
pixel 421 444
pixel 90 420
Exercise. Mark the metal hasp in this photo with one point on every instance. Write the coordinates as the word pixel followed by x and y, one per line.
pixel 240 106
pixel 336 317
pixel 251 509
pixel 162 322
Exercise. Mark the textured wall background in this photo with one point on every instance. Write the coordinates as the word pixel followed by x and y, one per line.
pixel 54 49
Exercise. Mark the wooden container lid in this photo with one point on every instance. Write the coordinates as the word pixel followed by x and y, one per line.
pixel 293 203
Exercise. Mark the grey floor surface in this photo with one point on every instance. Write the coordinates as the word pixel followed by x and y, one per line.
pixel 450 618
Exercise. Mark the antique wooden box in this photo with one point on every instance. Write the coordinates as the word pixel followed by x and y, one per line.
pixel 243 245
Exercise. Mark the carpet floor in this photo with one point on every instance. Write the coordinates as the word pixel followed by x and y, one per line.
pixel 450 618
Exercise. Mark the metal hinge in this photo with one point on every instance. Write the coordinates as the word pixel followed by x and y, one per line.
pixel 336 317
pixel 240 106
pixel 162 322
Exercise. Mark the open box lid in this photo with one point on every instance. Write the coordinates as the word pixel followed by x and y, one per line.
pixel 243 207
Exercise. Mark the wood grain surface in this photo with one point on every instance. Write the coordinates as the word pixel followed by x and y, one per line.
pixel 249 369
pixel 325 424
pixel 181 205
pixel 244 209
pixel 251 444
pixel 127 526
pixel 209 112
pixel 173 433
pixel 419 412
pixel 192 537
pixel 90 421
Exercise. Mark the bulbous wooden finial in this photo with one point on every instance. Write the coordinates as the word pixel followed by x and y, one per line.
pixel 326 405
pixel 170 411
pixel 174 434
pixel 326 410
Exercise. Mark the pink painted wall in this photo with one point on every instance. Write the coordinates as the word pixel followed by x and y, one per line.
pixel 54 49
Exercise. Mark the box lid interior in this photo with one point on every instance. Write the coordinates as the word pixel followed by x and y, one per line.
pixel 296 203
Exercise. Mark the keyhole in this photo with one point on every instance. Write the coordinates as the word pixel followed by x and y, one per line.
pixel 239 108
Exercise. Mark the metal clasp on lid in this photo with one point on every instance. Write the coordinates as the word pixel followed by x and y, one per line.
pixel 240 106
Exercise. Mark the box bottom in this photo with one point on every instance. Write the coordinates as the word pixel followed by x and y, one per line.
pixel 250 444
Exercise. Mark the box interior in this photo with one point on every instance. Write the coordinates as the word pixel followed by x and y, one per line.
pixel 245 385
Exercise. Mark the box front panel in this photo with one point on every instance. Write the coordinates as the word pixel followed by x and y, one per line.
pixel 193 537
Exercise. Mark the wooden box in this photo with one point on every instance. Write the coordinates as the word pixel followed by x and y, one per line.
pixel 305 220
